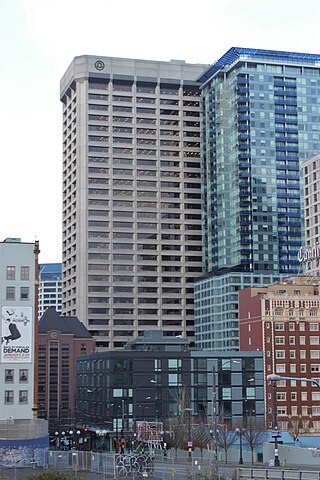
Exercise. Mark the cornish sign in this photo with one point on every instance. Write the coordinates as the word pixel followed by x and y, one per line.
pixel 308 254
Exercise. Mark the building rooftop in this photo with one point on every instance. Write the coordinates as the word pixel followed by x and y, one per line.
pixel 154 339
pixel 237 53
pixel 51 320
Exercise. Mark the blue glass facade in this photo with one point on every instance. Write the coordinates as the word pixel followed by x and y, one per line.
pixel 260 121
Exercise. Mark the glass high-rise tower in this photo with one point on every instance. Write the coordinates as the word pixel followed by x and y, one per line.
pixel 260 121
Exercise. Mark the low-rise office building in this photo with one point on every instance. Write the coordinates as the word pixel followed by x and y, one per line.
pixel 156 379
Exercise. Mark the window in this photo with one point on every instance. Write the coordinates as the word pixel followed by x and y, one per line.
pixel 282 410
pixel 292 368
pixel 314 354
pixel 304 397
pixel 279 326
pixel 226 393
pixel 280 354
pixel 117 392
pixel 291 324
pixel 23 397
pixel 11 273
pixel 292 354
pixel 302 326
pixel 313 327
pixel 174 363
pixel 315 396
pixel 302 340
pixel 315 367
pixel 10 293
pixel 279 340
pixel 24 293
pixel 8 397
pixel 24 273
pixel 292 340
pixel 173 379
pixel 302 354
pixel 281 368
pixel 23 375
pixel 303 368
pixel 9 375
pixel 314 340
pixel 294 396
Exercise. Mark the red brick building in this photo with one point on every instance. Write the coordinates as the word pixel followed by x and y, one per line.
pixel 283 320
pixel 61 340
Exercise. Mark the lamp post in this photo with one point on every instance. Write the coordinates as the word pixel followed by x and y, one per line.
pixel 214 407
pixel 277 378
pixel 189 410
pixel 274 379
pixel 239 432
pixel 139 404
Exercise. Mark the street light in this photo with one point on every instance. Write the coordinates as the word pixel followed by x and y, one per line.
pixel 277 378
pixel 214 405
pixel 135 403
pixel 189 410
pixel 239 432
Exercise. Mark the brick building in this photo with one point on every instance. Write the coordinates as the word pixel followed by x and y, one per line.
pixel 283 321
pixel 61 341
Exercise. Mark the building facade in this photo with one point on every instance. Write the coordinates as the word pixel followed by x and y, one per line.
pixel 131 196
pixel 50 287
pixel 17 300
pixel 155 379
pixel 309 255
pixel 260 121
pixel 61 340
pixel 283 321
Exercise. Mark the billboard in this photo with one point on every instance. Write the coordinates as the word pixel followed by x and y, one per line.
pixel 16 335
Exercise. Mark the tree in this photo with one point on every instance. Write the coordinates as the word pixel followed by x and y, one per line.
pixel 294 430
pixel 201 437
pixel 253 436
pixel 225 438
pixel 179 423
pixel 297 428
pixel 53 474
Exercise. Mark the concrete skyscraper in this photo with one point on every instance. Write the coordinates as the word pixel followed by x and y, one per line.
pixel 131 196
pixel 260 121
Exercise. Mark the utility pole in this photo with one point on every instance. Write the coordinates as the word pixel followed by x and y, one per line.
pixel 36 252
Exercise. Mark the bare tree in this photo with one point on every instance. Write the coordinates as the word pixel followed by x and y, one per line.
pixel 179 423
pixel 297 428
pixel 294 430
pixel 225 438
pixel 253 435
pixel 201 437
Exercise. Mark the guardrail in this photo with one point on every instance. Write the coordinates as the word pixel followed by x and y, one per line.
pixel 277 474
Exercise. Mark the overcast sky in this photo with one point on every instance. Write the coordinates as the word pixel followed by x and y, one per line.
pixel 39 39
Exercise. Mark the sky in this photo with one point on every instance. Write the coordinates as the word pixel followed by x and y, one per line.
pixel 40 38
